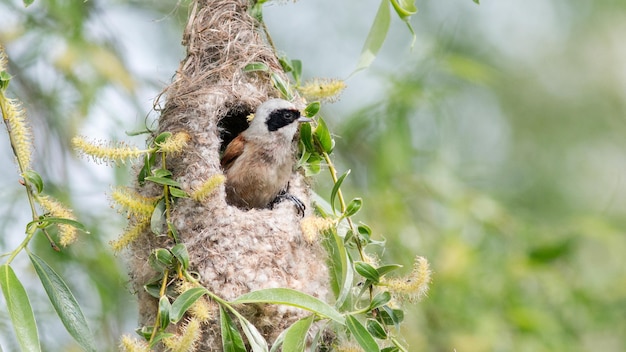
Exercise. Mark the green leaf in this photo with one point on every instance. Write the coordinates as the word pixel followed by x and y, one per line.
pixel 477 2
pixel 164 312
pixel 146 170
pixel 178 193
pixel 361 335
pixel 323 137
pixel 45 221
pixel 256 66
pixel 5 78
pixel 160 259
pixel 383 270
pixel 34 179
pixel 165 173
pixel 297 70
pixel 282 86
pixel 367 271
pixel 293 298
pixel 340 268
pixel 380 300
pixel 295 338
pixel 255 339
pixel 335 190
pixel 64 303
pixel 231 338
pixel 18 305
pixel 180 252
pixel 173 231
pixel 375 37
pixel 306 136
pixel 404 8
pixel 285 64
pixel 158 219
pixel 376 329
pixel 391 316
pixel 353 207
pixel 28 2
pixel 163 181
pixel 312 109
pixel 162 137
pixel 184 301
pixel 137 132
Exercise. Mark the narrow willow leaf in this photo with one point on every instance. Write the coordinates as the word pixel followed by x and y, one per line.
pixel 255 339
pixel 306 136
pixel 295 338
pixel 285 63
pixel 391 316
pixel 380 300
pixel 46 221
pixel 404 8
pixel 322 135
pixel 367 271
pixel 165 307
pixel 312 109
pixel 293 298
pixel 184 301
pixel 383 270
pixel 180 252
pixel 34 179
pixel 231 338
pixel 256 66
pixel 146 170
pixel 353 207
pixel 282 86
pixel 375 37
pixel 297 70
pixel 335 190
pixel 376 329
pixel 18 305
pixel 158 219
pixel 162 173
pixel 361 335
pixel 163 181
pixel 64 303
pixel 178 193
pixel 137 132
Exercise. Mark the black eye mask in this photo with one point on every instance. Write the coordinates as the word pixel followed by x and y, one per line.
pixel 281 118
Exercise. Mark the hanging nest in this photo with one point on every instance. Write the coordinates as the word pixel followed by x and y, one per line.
pixel 234 251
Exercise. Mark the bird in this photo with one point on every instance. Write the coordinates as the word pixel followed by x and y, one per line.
pixel 258 163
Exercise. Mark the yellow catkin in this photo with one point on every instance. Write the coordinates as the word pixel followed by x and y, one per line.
pixel 187 341
pixel 107 152
pixel 131 234
pixel 67 233
pixel 211 184
pixel 3 59
pixel 415 286
pixel 348 346
pixel 133 202
pixel 312 226
pixel 175 143
pixel 130 344
pixel 21 135
pixel 323 89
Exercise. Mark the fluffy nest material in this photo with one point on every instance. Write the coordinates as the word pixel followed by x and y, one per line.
pixel 234 251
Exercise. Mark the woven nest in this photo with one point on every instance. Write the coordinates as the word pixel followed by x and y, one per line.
pixel 233 250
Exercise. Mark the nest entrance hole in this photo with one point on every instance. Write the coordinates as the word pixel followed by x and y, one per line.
pixel 233 122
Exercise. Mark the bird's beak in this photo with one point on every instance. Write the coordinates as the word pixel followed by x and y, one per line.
pixel 302 119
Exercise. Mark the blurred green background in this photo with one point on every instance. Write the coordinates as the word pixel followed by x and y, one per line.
pixel 494 147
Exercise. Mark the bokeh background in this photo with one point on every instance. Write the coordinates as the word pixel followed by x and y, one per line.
pixel 494 147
